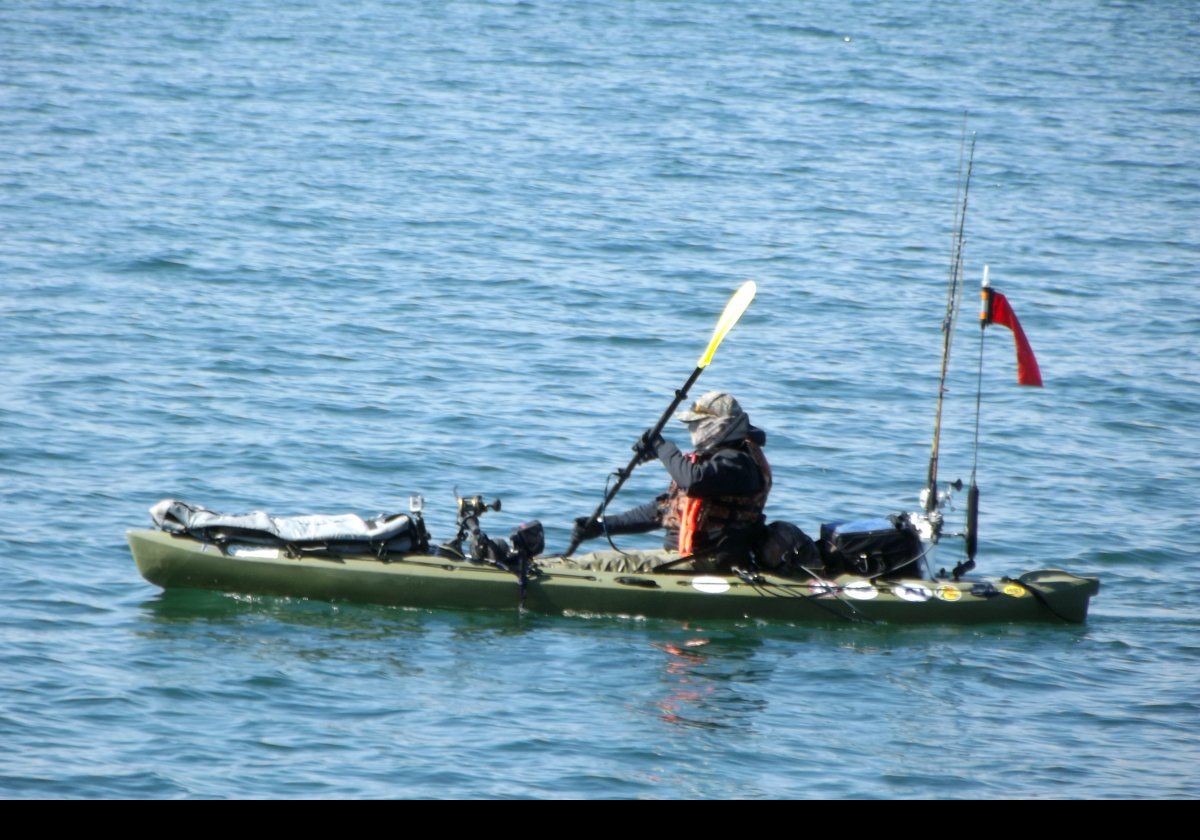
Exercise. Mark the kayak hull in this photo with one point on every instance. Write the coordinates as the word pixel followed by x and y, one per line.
pixel 424 581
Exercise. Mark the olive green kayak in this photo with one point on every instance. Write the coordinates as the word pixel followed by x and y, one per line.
pixel 420 580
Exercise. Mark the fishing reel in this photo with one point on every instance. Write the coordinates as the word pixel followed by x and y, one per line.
pixel 475 506
pixel 478 547
pixel 471 543
pixel 930 528
pixel 945 498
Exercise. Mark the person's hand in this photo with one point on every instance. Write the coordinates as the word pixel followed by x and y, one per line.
pixel 583 531
pixel 646 448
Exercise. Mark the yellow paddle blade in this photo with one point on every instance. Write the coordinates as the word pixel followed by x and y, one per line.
pixel 733 311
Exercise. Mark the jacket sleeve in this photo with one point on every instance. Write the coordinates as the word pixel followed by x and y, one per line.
pixel 638 520
pixel 729 472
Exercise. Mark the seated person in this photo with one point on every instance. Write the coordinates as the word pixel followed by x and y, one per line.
pixel 713 509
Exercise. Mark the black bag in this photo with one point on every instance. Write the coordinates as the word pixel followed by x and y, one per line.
pixel 529 539
pixel 784 549
pixel 887 547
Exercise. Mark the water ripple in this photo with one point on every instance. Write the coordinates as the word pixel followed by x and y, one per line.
pixel 303 257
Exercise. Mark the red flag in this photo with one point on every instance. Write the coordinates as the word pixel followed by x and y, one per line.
pixel 997 311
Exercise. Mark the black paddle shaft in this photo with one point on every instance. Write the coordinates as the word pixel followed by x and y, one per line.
pixel 622 475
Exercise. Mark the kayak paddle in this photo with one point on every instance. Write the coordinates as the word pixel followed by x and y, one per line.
pixel 733 312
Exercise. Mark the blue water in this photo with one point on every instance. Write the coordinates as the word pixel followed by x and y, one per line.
pixel 317 256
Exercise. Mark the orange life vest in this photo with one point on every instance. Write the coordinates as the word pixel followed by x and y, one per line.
pixel 707 517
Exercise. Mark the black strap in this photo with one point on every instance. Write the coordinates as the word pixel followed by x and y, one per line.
pixel 1040 597
pixel 852 614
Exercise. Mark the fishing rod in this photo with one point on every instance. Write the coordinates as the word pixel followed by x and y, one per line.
pixel 733 312
pixel 953 298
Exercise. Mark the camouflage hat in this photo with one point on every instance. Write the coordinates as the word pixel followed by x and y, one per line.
pixel 713 404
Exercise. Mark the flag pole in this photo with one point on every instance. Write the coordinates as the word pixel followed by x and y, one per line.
pixel 971 534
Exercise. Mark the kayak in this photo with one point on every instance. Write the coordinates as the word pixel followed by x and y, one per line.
pixel 551 586
pixel 862 572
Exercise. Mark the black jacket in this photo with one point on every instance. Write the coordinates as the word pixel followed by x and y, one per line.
pixel 729 471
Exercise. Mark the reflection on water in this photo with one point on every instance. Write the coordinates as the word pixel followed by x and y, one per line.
pixel 710 678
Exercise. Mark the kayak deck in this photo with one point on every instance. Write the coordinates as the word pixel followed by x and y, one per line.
pixel 418 580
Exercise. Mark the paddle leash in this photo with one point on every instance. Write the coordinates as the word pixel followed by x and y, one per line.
pixel 733 312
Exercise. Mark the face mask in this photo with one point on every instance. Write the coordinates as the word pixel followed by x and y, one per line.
pixel 709 432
